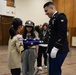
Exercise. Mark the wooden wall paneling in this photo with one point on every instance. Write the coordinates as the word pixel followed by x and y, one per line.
pixel 74 13
pixel 68 6
pixel 6 23
pixel 56 3
pixel 60 5
pixel 0 31
pixel 73 30
pixel 69 12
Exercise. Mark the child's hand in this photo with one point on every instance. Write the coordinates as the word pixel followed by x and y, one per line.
pixel 29 46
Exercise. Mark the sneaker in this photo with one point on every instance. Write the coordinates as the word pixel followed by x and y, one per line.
pixel 40 68
pixel 45 67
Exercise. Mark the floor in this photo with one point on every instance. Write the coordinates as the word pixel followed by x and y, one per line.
pixel 68 68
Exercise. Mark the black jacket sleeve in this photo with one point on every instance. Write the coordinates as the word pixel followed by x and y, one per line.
pixel 61 30
pixel 37 29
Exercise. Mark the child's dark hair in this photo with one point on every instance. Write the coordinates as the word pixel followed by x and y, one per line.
pixel 15 24
pixel 29 24
pixel 47 4
pixel 45 24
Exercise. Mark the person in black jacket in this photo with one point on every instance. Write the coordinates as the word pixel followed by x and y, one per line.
pixel 58 45
pixel 44 36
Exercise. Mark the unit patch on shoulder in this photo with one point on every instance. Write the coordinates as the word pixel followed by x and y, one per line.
pixel 62 20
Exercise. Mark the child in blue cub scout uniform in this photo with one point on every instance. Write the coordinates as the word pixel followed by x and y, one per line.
pixel 30 52
pixel 15 46
pixel 58 45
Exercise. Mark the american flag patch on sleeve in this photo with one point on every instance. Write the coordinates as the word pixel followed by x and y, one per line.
pixel 20 39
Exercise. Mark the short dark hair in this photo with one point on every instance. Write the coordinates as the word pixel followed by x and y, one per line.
pixel 47 4
pixel 16 23
pixel 45 24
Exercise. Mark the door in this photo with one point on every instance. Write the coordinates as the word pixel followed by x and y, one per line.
pixel 6 23
pixel 0 32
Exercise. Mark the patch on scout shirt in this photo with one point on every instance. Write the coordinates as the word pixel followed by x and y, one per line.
pixel 20 39
pixel 62 20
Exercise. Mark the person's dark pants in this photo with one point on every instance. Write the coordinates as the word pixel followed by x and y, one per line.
pixel 56 64
pixel 16 71
pixel 42 50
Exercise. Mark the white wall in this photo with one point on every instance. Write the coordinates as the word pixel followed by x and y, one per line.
pixel 10 11
pixel 6 10
pixel 2 7
pixel 31 10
